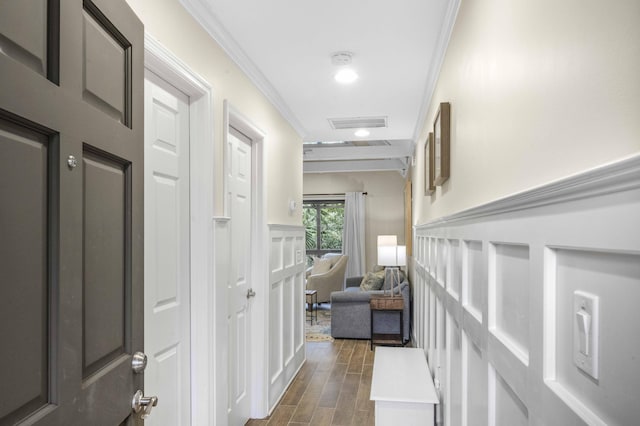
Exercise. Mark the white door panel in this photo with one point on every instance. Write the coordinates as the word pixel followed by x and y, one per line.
pixel 167 257
pixel 239 195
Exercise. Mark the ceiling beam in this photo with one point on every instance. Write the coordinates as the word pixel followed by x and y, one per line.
pixel 356 153
pixel 395 164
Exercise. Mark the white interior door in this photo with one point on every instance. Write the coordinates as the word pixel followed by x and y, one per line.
pixel 167 255
pixel 239 198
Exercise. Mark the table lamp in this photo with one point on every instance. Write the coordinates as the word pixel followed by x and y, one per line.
pixel 391 255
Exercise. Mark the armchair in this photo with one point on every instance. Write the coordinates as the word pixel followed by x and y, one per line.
pixel 333 280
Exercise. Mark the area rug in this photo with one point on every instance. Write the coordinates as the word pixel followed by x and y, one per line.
pixel 319 331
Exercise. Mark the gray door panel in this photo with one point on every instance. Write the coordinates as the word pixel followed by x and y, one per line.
pixel 24 33
pixel 105 286
pixel 71 252
pixel 24 318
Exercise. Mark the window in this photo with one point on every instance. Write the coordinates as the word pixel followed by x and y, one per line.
pixel 323 221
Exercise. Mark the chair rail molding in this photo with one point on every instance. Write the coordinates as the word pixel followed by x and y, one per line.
pixel 618 176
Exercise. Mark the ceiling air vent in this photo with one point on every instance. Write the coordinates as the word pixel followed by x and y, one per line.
pixel 358 122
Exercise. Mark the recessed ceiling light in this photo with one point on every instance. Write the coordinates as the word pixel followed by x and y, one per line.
pixel 346 76
pixel 362 133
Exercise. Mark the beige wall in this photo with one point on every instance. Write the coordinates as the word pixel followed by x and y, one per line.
pixel 539 91
pixel 384 203
pixel 169 23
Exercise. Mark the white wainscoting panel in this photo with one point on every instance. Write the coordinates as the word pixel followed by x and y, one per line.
pixel 494 290
pixel 509 296
pixel 473 277
pixel 507 409
pixel 219 329
pixel 474 384
pixel 286 307
pixel 454 372
pixel 455 269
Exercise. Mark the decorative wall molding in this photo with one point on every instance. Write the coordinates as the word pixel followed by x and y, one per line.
pixel 159 59
pixel 498 324
pixel 219 330
pixel 286 308
pixel 618 176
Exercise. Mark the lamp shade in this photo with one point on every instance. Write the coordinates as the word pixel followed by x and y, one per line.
pixel 401 255
pixel 387 256
pixel 387 240
pixel 387 250
pixel 390 253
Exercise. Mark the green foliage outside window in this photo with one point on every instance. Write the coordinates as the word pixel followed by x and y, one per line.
pixel 311 233
pixel 323 222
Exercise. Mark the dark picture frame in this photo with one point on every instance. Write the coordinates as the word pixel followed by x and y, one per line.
pixel 429 184
pixel 442 143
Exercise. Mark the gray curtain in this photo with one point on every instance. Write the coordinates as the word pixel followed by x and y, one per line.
pixel 353 233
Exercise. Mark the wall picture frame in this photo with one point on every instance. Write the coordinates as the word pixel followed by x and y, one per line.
pixel 429 177
pixel 442 143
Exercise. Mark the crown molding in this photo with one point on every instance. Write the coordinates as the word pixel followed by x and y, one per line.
pixel 434 70
pixel 208 20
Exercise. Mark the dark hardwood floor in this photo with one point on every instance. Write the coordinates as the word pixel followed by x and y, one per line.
pixel 332 388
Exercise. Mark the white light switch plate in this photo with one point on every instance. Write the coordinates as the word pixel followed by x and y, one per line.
pixel 585 332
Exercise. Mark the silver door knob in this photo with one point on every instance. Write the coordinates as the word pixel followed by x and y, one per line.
pixel 138 362
pixel 251 293
pixel 143 404
pixel 72 162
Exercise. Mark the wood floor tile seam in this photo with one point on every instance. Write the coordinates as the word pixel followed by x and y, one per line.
pixel 307 393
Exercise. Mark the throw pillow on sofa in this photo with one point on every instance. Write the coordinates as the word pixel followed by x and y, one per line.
pixel 381 269
pixel 372 281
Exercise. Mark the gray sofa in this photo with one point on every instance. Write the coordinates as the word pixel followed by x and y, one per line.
pixel 351 316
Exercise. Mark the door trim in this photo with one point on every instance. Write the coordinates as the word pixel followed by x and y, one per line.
pixel 165 64
pixel 259 361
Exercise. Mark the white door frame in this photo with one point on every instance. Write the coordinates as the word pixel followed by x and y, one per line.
pixel 165 64
pixel 259 360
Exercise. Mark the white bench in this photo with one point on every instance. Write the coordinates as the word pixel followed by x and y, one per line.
pixel 402 387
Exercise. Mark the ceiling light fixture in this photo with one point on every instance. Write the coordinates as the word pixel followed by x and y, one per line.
pixel 346 74
pixel 362 133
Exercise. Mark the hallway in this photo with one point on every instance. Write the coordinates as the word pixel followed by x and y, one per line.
pixel 507 164
pixel 332 387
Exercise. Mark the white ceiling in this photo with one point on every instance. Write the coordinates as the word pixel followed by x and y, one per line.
pixel 285 47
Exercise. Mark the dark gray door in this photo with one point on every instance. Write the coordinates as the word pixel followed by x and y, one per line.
pixel 71 243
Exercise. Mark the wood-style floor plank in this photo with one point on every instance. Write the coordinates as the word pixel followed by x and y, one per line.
pixel 322 416
pixel 347 401
pixel 332 388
